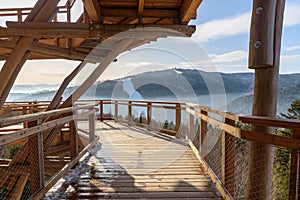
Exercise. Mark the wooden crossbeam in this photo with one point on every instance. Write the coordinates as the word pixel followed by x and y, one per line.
pixel 50 50
pixel 48 25
pixel 103 31
pixel 188 10
pixel 92 7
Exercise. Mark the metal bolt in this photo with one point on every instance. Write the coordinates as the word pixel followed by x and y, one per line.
pixel 259 10
pixel 91 28
pixel 257 44
pixel 97 26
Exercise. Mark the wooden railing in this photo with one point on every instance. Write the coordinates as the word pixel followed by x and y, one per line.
pixel 224 152
pixel 40 149
pixel 231 133
pixel 21 13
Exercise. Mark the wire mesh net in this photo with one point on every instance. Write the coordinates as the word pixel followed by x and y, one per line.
pixel 238 163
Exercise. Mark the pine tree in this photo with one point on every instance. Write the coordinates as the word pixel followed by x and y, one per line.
pixel 281 166
pixel 293 110
pixel 166 125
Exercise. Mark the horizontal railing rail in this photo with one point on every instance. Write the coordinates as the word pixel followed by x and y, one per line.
pixel 44 136
pixel 199 129
pixel 231 130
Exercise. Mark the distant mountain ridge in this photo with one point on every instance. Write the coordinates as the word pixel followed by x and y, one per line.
pixel 172 83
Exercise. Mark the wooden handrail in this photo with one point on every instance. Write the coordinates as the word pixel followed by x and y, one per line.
pixel 35 116
pixel 224 121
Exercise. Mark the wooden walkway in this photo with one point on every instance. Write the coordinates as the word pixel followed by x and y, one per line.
pixel 131 163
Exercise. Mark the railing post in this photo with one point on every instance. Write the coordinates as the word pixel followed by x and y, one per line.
pixel 116 110
pixel 129 112
pixel 149 114
pixel 30 108
pixel 20 15
pixel 73 140
pixel 36 159
pixel 24 112
pixel 228 159
pixel 101 111
pixel 294 169
pixel 92 125
pixel 178 118
pixel 203 132
pixel 190 133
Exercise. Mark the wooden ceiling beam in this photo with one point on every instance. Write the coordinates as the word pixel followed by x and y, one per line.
pixel 158 13
pixel 47 25
pixel 188 10
pixel 50 50
pixel 141 7
pixel 93 9
pixel 97 30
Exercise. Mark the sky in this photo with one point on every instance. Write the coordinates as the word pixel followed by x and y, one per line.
pixel 220 43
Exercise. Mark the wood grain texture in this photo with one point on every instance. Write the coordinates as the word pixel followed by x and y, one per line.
pixel 135 163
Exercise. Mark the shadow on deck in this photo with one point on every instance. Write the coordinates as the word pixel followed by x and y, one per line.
pixel 132 163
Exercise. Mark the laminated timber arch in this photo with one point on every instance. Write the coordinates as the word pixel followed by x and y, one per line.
pixel 40 36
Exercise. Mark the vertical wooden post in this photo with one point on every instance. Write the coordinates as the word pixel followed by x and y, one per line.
pixel 20 15
pixel 191 125
pixel 129 112
pixel 73 140
pixel 294 170
pixel 36 160
pixel 149 114
pixel 92 124
pixel 178 118
pixel 116 110
pixel 203 132
pixel 30 111
pixel 24 112
pixel 228 159
pixel 101 111
pixel 68 40
pixel 264 57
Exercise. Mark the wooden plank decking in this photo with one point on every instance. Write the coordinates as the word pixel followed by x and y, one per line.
pixel 132 163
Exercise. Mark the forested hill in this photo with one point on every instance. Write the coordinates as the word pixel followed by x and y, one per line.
pixel 285 97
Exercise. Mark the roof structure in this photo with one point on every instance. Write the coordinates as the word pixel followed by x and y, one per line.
pixel 100 20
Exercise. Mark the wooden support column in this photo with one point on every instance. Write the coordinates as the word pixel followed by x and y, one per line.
pixel 129 113
pixel 116 110
pixel 73 140
pixel 92 125
pixel 178 118
pixel 149 114
pixel 41 12
pixel 101 111
pixel 36 160
pixel 264 57
pixel 295 170
pixel 58 96
pixel 191 126
pixel 228 159
pixel 119 48
pixel 203 132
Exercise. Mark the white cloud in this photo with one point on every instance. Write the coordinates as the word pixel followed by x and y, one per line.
pixel 291 48
pixel 292 14
pixel 222 28
pixel 290 58
pixel 233 56
pixel 240 24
